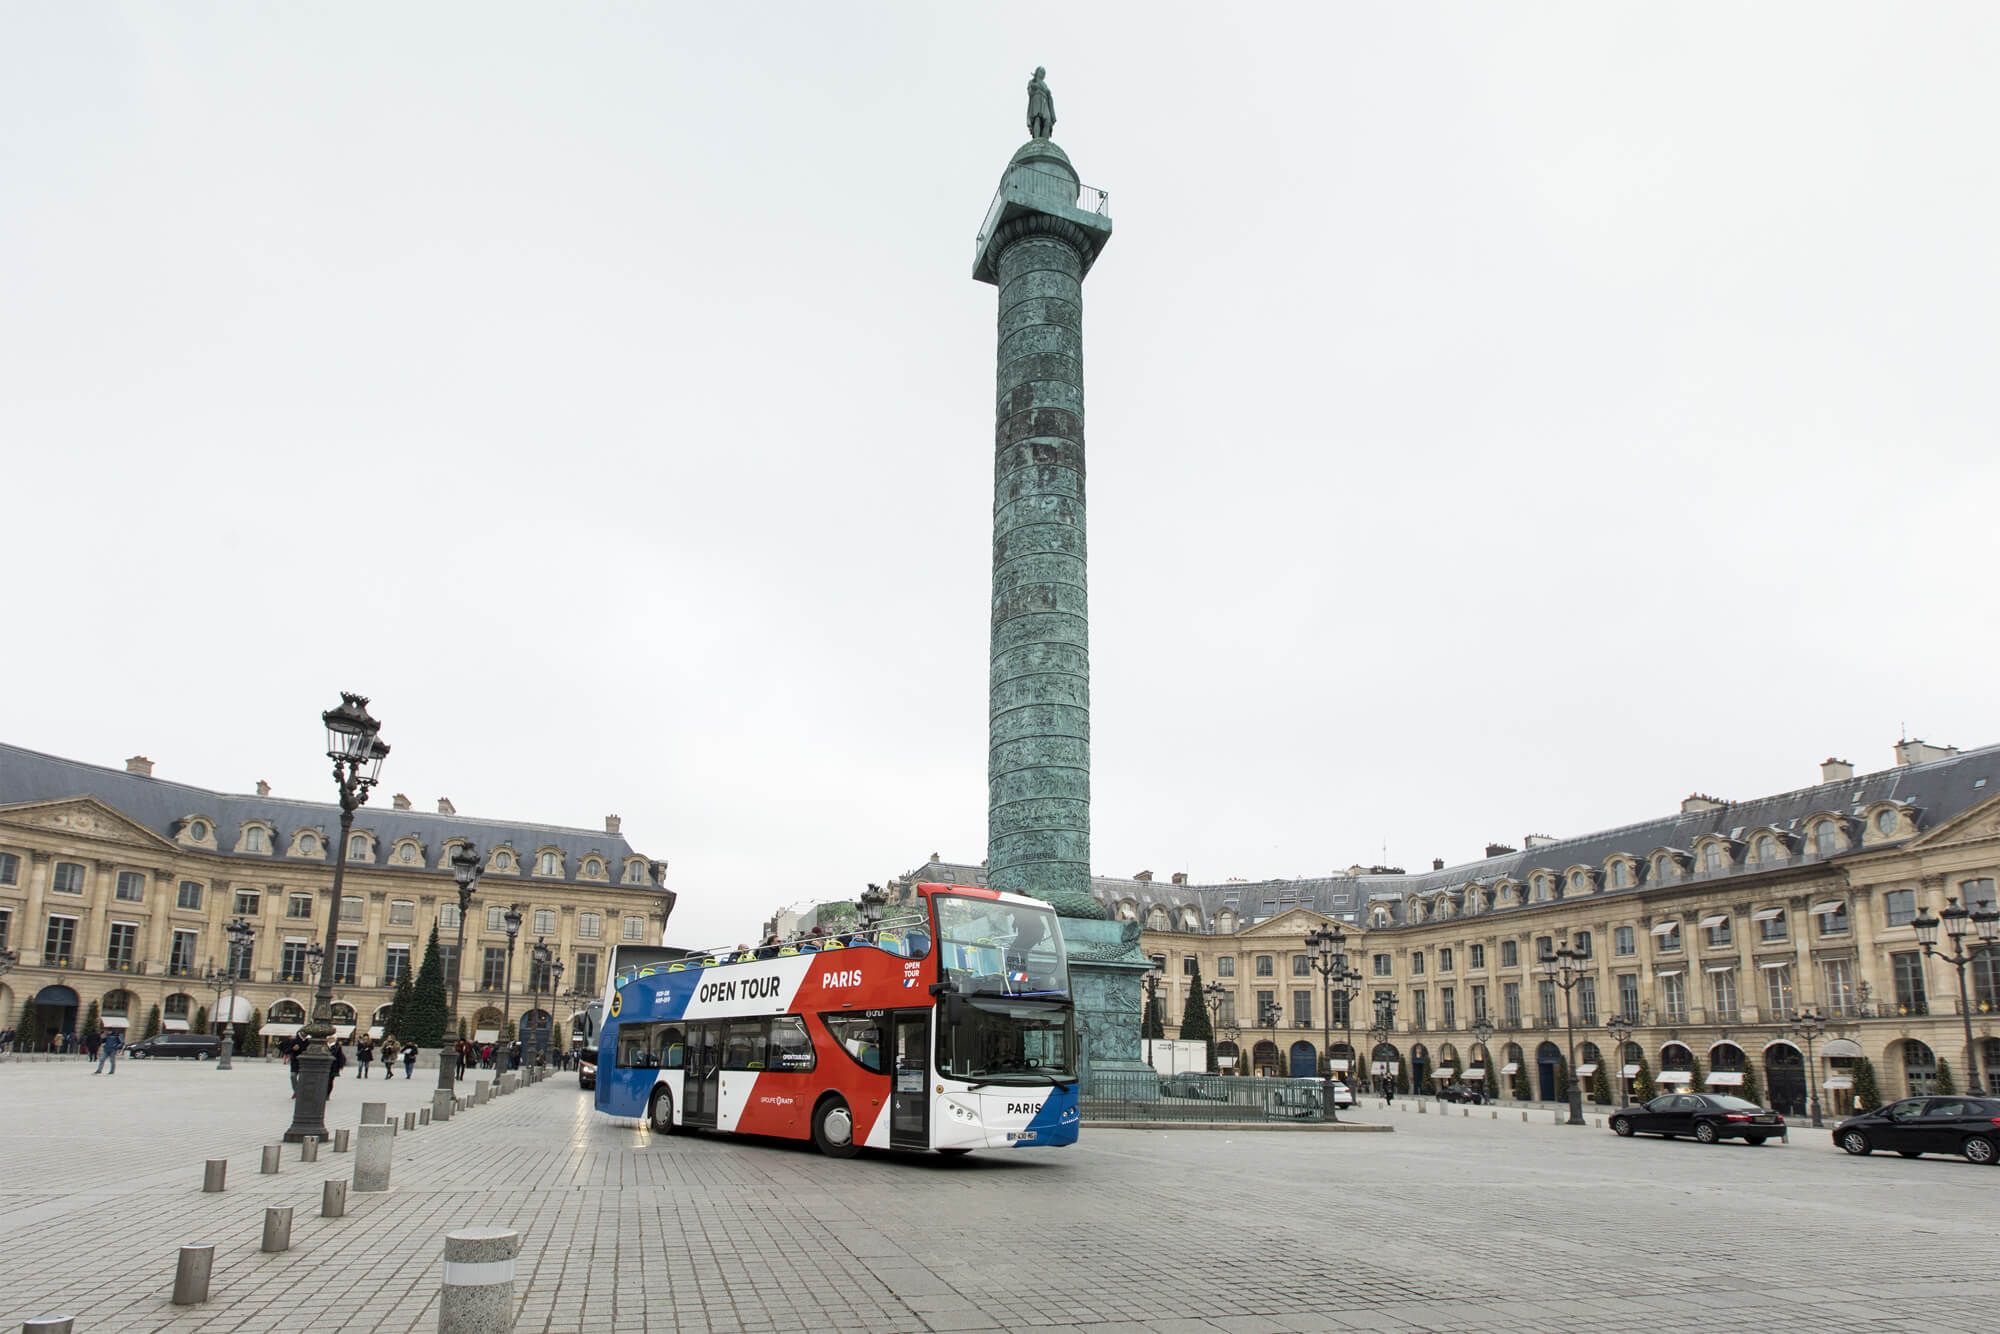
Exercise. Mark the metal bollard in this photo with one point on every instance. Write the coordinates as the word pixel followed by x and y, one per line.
pixel 374 1113
pixel 191 1274
pixel 214 1176
pixel 340 1138
pixel 274 1155
pixel 309 1149
pixel 278 1228
pixel 50 1324
pixel 478 1296
pixel 333 1199
pixel 423 1116
pixel 372 1155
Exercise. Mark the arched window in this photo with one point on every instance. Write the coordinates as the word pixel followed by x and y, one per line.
pixel 357 847
pixel 1663 868
pixel 1767 848
pixel 1621 875
pixel 549 864
pixel 1576 882
pixel 1826 838
pixel 1711 856
pixel 1156 918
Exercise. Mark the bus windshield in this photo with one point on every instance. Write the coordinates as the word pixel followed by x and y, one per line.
pixel 1008 1041
pixel 1003 949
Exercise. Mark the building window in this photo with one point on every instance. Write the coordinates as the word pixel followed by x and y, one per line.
pixel 635 873
pixel 1675 988
pixel 503 860
pixel 1719 934
pixel 1826 838
pixel 59 942
pixel 1382 965
pixel 292 962
pixel 1628 997
pixel 1419 1009
pixel 545 921
pixel 10 869
pixel 1190 966
pixel 350 908
pixel 1576 882
pixel 1444 959
pixel 1267 1009
pixel 585 981
pixel 1885 822
pixel 496 917
pixel 1985 972
pixel 124 951
pixel 1711 856
pixel 346 964
pixel 1546 990
pixel 1541 890
pixel 448 959
pixel 407 854
pixel 402 912
pixel 589 925
pixel 1833 922
pixel 548 864
pixel 131 887
pixel 254 839
pixel 1586 999
pixel 1772 927
pixel 1621 875
pixel 1510 1004
pixel 249 902
pixel 1417 964
pixel 1669 940
pixel 1901 906
pixel 1545 947
pixel 1624 942
pixel 539 975
pixel 448 917
pixel 593 868
pixel 1302 1009
pixel 6 926
pixel 357 848
pixel 1581 942
pixel 1225 1013
pixel 308 845
pixel 1226 966
pixel 395 963
pixel 299 905
pixel 1778 994
pixel 175 1007
pixel 1909 973
pixel 189 896
pixel 1478 953
pixel 635 928
pixel 1265 966
pixel 1510 954
pixel 1767 848
pixel 1723 983
pixel 180 961
pixel 1448 1006
pixel 1839 975
pixel 1976 894
pixel 1301 966
pixel 1478 1002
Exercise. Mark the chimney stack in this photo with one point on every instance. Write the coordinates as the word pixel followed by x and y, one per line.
pixel 1912 751
pixel 1700 801
pixel 139 765
pixel 1497 849
pixel 1437 863
pixel 400 802
pixel 1180 877
pixel 611 823
pixel 263 788
pixel 445 807
pixel 1146 876
pixel 1536 841
pixel 1835 771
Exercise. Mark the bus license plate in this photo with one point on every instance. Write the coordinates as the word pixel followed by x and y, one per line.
pixel 1014 1135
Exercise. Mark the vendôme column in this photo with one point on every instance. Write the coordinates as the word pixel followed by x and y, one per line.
pixel 1041 235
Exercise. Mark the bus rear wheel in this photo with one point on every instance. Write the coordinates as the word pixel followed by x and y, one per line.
pixel 833 1129
pixel 660 1113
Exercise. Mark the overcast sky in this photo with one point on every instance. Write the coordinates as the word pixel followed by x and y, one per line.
pixel 1502 419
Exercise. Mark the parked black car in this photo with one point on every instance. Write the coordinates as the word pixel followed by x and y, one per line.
pixel 198 1046
pixel 1208 1087
pixel 586 1070
pixel 1707 1117
pixel 1947 1124
pixel 1471 1093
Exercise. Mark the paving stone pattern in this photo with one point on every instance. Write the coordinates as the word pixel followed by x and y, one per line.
pixel 1451 1223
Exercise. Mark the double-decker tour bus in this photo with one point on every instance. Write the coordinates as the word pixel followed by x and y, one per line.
pixel 950 1028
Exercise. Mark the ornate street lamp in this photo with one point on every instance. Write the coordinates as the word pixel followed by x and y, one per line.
pixel 354 744
pixel 1809 1027
pixel 1482 1033
pixel 1329 959
pixel 1564 967
pixel 555 987
pixel 464 869
pixel 241 933
pixel 1957 922
pixel 1214 994
pixel 1620 1032
pixel 539 959
pixel 512 920
pixel 1153 976
pixel 1379 1034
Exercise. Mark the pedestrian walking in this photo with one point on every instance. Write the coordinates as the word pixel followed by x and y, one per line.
pixel 293 1046
pixel 112 1042
pixel 459 1049
pixel 389 1049
pixel 339 1063
pixel 364 1053
pixel 91 1043
pixel 409 1060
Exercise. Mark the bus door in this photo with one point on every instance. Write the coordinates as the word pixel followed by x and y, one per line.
pixel 910 1072
pixel 701 1086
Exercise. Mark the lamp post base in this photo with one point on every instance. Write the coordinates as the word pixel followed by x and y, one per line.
pixel 222 1056
pixel 1575 1104
pixel 309 1099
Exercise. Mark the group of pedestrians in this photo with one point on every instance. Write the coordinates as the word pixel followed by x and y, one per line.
pixel 364 1057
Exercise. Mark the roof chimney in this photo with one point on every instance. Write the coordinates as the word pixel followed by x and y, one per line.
pixel 1497 849
pixel 263 788
pixel 1437 863
pixel 611 823
pixel 1835 771
pixel 1180 877
pixel 1142 875
pixel 139 765
pixel 1700 801
pixel 1912 751
pixel 445 807
pixel 400 802
pixel 936 858
pixel 1537 841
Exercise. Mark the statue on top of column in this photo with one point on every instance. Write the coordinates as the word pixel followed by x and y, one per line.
pixel 1041 107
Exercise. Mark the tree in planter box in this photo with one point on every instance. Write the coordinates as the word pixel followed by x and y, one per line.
pixel 1697 1076
pixel 201 1019
pixel 253 1041
pixel 1945 1082
pixel 1403 1078
pixel 1753 1087
pixel 27 1026
pixel 152 1023
pixel 1642 1082
pixel 1522 1093
pixel 92 1024
pixel 1867 1094
pixel 1194 1020
pixel 1600 1087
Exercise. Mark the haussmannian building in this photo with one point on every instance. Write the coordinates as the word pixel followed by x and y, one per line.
pixel 116 887
pixel 1708 930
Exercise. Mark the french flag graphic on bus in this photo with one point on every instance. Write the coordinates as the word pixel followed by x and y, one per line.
pixel 814 1038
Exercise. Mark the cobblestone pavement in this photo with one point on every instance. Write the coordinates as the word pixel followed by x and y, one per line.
pixel 1451 1223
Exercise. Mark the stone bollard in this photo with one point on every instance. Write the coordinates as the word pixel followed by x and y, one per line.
pixel 340 1138
pixel 1524 1118
pixel 1465 1111
pixel 479 1087
pixel 423 1116
pixel 278 1228
pixel 478 1296
pixel 1422 1110
pixel 50 1324
pixel 274 1156
pixel 442 1105
pixel 1496 1114
pixel 214 1175
pixel 191 1274
pixel 333 1199
pixel 372 1153
pixel 374 1113
pixel 409 1120
pixel 395 1128
pixel 309 1149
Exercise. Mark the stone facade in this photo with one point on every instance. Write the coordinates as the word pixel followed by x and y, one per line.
pixel 117 887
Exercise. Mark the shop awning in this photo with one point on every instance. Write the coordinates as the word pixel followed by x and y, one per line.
pixel 1385 1067
pixel 375 1032
pixel 1510 1067
pixel 1830 905
pixel 1667 972
pixel 116 1021
pixel 1476 1072
pixel 175 1025
pixel 1446 1073
pixel 1841 1047
pixel 1767 914
pixel 1586 1070
pixel 279 1030
pixel 1629 1072
pixel 1840 1082
pixel 487 1035
pixel 1338 1065
pixel 1676 1077
pixel 1714 919
pixel 343 1031
pixel 239 1009
pixel 1722 968
pixel 1725 1078
pixel 1665 928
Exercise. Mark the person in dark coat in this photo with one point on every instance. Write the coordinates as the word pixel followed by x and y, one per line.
pixel 409 1060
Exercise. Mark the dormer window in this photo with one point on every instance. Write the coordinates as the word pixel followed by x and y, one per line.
pixel 635 873
pixel 1767 848
pixel 593 868
pixel 308 845
pixel 198 830
pixel 357 848
pixel 1663 868
pixel 1826 838
pixel 549 863
pixel 1711 856
pixel 1576 882
pixel 254 840
pixel 1885 822
pixel 503 861
pixel 407 854
pixel 1621 875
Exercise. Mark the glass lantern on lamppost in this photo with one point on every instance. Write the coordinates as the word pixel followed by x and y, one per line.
pixel 1482 1033
pixel 538 975
pixel 555 990
pixel 1328 958
pixel 1379 1034
pixel 1215 995
pixel 1620 1030
pixel 1959 922
pixel 354 744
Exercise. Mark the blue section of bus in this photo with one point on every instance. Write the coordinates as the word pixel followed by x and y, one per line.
pixel 1057 1121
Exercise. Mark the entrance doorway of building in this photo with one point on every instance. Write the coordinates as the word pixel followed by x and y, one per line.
pixel 1305 1061
pixel 1548 1057
pixel 55 1013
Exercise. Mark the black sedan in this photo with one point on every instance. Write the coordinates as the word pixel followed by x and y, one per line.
pixel 197 1046
pixel 1471 1093
pixel 1707 1117
pixel 1966 1126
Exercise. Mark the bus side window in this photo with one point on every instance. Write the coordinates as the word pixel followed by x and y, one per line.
pixel 669 1048
pixel 635 1046
pixel 859 1036
pixel 791 1045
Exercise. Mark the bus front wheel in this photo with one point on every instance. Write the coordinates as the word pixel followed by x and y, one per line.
pixel 833 1129
pixel 660 1114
